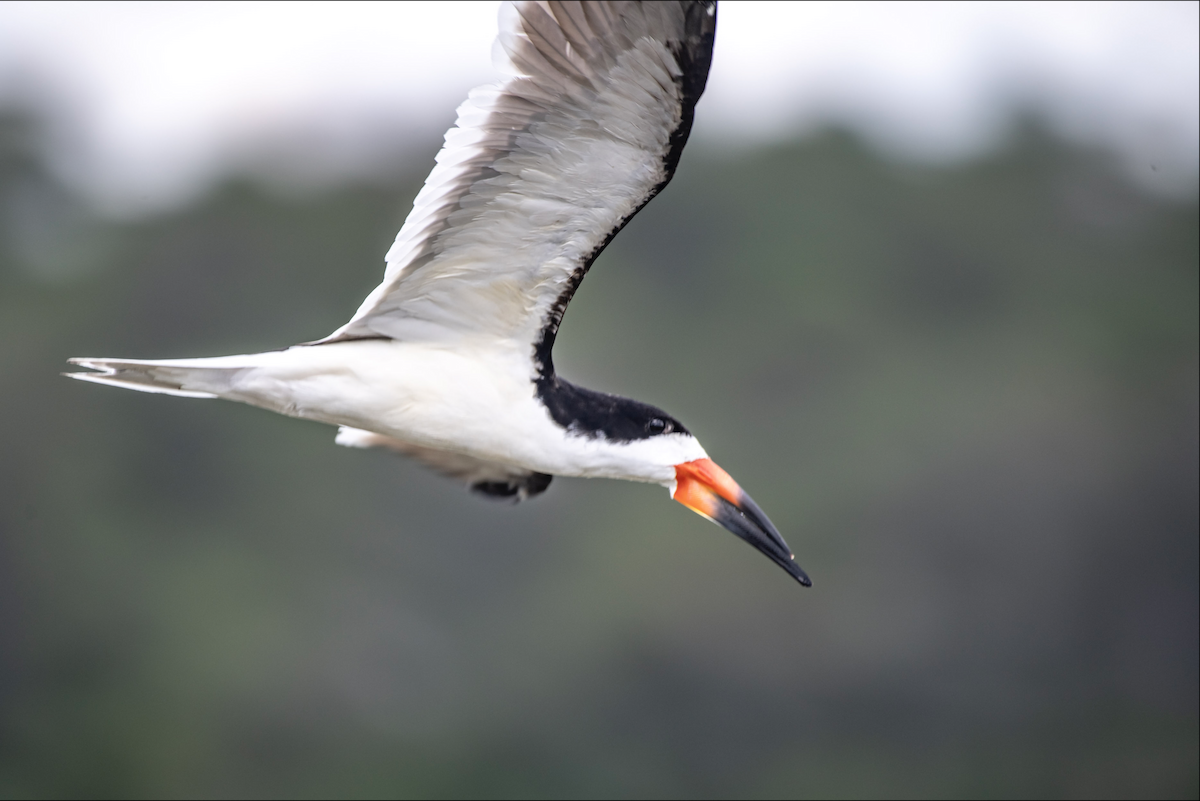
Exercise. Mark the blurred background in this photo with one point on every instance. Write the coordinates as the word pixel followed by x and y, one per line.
pixel 925 283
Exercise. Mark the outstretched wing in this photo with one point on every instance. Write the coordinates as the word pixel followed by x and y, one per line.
pixel 487 478
pixel 543 169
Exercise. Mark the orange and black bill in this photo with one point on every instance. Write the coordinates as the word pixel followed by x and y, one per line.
pixel 709 491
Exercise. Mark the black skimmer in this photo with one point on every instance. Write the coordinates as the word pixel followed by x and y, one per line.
pixel 448 360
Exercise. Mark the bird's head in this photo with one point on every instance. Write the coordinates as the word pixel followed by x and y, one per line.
pixel 642 443
pixel 615 437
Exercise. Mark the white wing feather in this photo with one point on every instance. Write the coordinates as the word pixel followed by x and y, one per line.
pixel 536 175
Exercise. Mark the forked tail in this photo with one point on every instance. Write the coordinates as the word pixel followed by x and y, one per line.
pixel 189 378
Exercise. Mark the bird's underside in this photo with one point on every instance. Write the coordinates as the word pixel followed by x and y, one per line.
pixel 449 360
pixel 490 479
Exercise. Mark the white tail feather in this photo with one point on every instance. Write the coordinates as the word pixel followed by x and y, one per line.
pixel 188 378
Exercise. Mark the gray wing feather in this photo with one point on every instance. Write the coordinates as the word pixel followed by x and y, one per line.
pixel 542 169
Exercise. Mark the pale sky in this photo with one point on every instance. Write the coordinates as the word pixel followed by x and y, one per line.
pixel 153 102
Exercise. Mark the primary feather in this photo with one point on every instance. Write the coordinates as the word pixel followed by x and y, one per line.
pixel 541 170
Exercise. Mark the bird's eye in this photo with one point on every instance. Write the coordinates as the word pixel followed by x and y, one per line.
pixel 659 426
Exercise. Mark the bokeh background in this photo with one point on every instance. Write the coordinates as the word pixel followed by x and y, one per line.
pixel 955 358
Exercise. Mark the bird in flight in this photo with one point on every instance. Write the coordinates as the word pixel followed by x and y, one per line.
pixel 448 361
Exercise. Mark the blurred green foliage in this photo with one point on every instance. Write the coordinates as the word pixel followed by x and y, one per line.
pixel 966 395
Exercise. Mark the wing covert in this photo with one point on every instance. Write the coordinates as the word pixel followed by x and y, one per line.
pixel 543 169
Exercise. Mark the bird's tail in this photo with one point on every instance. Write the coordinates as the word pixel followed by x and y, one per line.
pixel 189 378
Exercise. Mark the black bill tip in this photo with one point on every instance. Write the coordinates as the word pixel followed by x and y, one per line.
pixel 747 521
